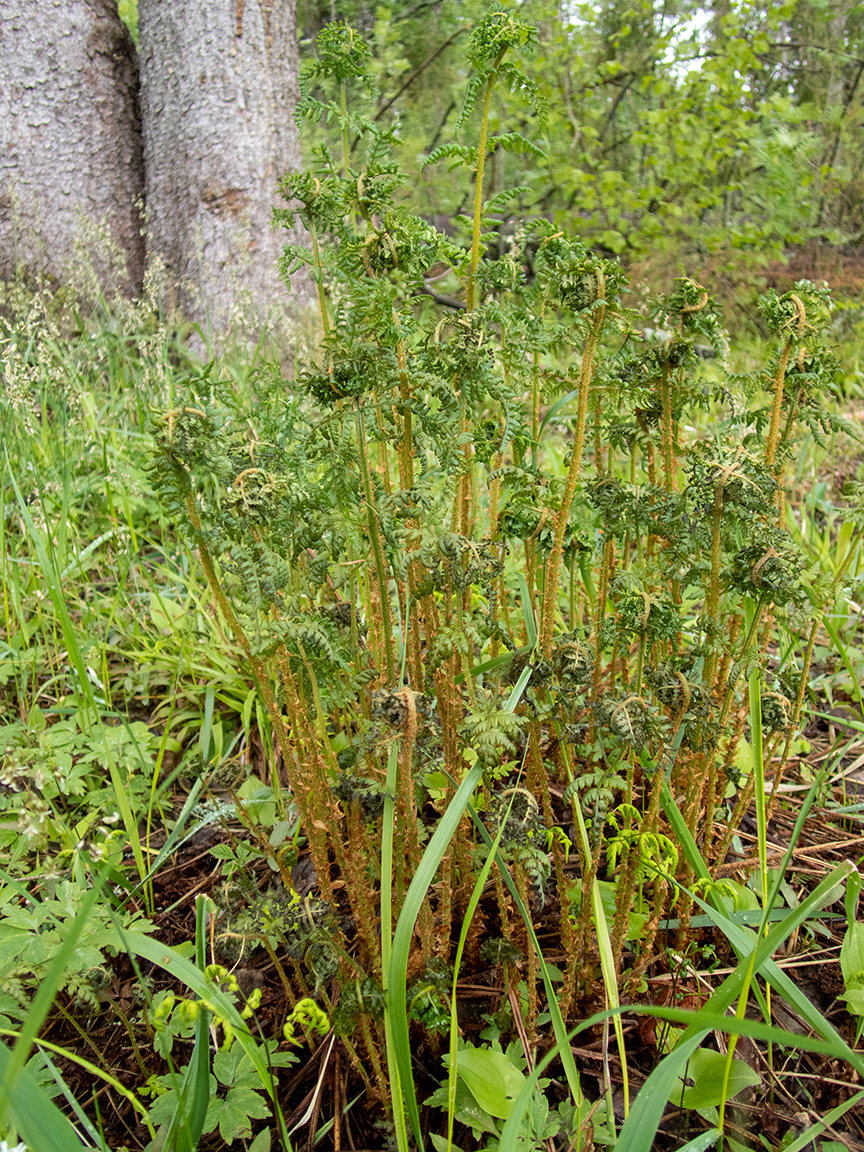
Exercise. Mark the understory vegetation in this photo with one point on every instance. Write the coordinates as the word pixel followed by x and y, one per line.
pixel 444 733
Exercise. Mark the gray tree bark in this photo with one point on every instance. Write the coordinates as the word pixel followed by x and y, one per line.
pixel 71 160
pixel 218 91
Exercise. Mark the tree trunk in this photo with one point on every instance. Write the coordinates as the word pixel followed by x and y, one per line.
pixel 71 163
pixel 218 91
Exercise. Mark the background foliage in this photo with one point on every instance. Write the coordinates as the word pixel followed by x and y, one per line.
pixel 703 138
pixel 708 138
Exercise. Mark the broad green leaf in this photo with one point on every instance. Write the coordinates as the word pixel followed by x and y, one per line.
pixel 852 954
pixel 165 613
pixel 440 1144
pixel 163 1107
pixel 233 1068
pixel 44 997
pixel 706 1070
pixel 491 1078
pixel 262 1141
pixel 737 897
pixel 854 1001
pixel 240 1107
pixel 466 1110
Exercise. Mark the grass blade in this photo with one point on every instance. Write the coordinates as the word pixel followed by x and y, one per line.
pixel 397 976
pixel 35 1115
pixel 702 1142
pixel 387 831
pixel 95 1138
pixel 196 1096
pixel 476 893
pixel 527 611
pixel 640 1127
pixel 833 631
pixel 397 991
pixel 55 592
pixel 93 1070
pixel 604 943
pixel 807 1139
pixel 555 408
pixel 557 1020
pixel 733 1025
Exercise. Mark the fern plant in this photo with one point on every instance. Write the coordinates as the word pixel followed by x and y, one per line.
pixel 448 494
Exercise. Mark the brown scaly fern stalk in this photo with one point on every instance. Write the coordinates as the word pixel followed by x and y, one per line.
pixel 800 694
pixel 408 849
pixel 377 549
pixel 258 669
pixel 471 293
pixel 796 715
pixel 704 784
pixel 450 713
pixel 668 432
pixel 650 825
pixel 607 570
pixel 779 379
pixel 537 781
pixel 649 935
pixel 357 886
pixel 520 878
pixel 406 483
pixel 712 589
pixel 627 874
pixel 462 503
pixel 553 565
pixel 462 506
pixel 310 786
pixel 670 428
pixel 305 757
